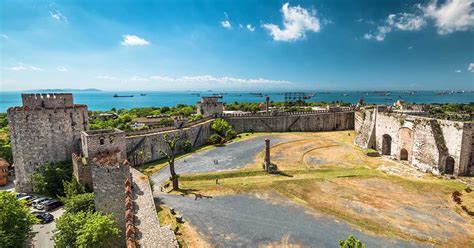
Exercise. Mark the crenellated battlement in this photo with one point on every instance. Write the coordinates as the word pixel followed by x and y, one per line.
pixel 47 100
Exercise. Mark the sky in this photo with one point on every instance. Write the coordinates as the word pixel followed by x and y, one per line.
pixel 237 45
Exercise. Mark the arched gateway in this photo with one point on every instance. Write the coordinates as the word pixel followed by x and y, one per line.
pixel 449 167
pixel 386 144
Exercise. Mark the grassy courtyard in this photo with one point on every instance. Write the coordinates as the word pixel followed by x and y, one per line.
pixel 327 174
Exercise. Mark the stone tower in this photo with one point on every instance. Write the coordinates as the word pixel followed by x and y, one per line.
pixel 209 106
pixel 104 151
pixel 45 129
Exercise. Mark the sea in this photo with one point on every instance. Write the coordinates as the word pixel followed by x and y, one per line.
pixel 105 100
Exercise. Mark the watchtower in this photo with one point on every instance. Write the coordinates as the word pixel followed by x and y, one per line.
pixel 104 154
pixel 209 106
pixel 46 129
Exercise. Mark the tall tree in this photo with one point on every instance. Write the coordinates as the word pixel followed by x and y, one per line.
pixel 170 156
pixel 15 221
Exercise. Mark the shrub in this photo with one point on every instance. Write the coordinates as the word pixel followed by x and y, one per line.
pixel 230 134
pixel 351 242
pixel 80 202
pixel 187 146
pixel 216 139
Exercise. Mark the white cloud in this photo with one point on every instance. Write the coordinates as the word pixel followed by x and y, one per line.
pixel 107 77
pixel 405 21
pixel 241 26
pixel 138 78
pixel 226 24
pixel 453 15
pixel 4 36
pixel 471 67
pixel 250 27
pixel 296 22
pixel 400 21
pixel 58 16
pixel 133 40
pixel 457 71
pixel 23 67
pixel 61 68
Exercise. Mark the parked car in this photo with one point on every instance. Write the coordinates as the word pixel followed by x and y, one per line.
pixel 19 195
pixel 51 205
pixel 27 198
pixel 44 217
pixel 40 200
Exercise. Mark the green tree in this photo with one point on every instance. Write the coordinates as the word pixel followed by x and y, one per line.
pixel 73 187
pixel 80 202
pixel 49 179
pixel 86 229
pixel 216 139
pixel 221 126
pixel 351 242
pixel 170 156
pixel 15 221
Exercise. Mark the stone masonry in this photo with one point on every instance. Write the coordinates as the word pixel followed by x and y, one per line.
pixel 432 145
pixel 46 129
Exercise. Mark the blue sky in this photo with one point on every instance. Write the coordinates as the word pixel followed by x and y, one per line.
pixel 237 45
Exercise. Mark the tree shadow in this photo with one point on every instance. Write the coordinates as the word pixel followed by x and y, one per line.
pixel 187 192
pixel 281 173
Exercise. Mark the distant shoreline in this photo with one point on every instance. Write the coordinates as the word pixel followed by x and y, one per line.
pixel 61 90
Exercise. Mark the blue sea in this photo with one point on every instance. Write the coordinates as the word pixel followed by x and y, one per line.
pixel 104 100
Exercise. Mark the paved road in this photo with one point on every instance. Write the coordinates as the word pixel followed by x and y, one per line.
pixel 231 156
pixel 44 233
pixel 248 221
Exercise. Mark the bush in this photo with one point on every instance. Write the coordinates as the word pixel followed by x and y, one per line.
pixel 230 134
pixel 221 126
pixel 81 202
pixel 187 146
pixel 351 242
pixel 216 139
pixel 50 178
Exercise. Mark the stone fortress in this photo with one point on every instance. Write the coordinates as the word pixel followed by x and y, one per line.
pixel 431 145
pixel 51 128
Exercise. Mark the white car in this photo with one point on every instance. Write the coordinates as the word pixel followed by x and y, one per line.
pixel 40 205
pixel 40 200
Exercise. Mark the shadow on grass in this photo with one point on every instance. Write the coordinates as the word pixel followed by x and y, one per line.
pixel 187 192
pixel 281 173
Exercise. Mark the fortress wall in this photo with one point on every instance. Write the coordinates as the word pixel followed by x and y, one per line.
pixel 324 121
pixel 41 135
pixel 144 148
pixel 364 126
pixel 429 142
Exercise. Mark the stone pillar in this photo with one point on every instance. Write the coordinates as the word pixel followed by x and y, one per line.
pixel 267 100
pixel 267 154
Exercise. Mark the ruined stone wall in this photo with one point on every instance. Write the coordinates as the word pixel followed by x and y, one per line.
pixel 145 147
pixel 292 122
pixel 40 135
pixel 364 126
pixel 81 170
pixel 429 142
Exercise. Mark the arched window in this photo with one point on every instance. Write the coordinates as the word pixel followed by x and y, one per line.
pixel 101 141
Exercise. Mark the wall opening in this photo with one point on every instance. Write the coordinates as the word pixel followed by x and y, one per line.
pixel 403 154
pixel 102 141
pixel 449 168
pixel 386 144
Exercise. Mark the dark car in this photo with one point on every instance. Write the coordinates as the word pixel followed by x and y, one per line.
pixel 44 217
pixel 51 205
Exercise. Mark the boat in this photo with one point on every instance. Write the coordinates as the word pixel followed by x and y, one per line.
pixel 123 96
pixel 142 94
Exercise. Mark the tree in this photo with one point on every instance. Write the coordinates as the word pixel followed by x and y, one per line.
pixel 351 242
pixel 49 179
pixel 15 221
pixel 170 156
pixel 216 139
pixel 221 126
pixel 73 187
pixel 80 202
pixel 85 229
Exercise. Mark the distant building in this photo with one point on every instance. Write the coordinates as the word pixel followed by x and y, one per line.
pixel 209 106
pixel 3 172
pixel 153 121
